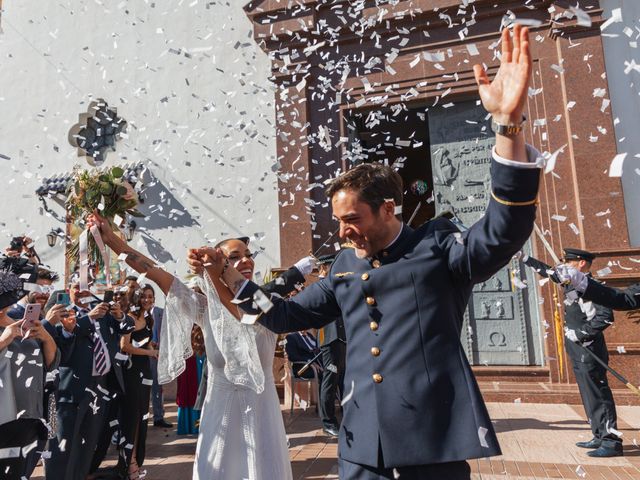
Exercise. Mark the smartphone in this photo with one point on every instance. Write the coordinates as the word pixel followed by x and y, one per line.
pixel 62 298
pixel 31 316
pixel 108 296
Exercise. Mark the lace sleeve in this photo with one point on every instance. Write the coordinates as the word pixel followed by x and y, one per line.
pixel 237 343
pixel 183 308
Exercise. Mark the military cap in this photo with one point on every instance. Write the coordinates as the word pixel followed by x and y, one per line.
pixel 577 254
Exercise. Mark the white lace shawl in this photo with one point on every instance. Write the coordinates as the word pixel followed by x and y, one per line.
pixel 235 341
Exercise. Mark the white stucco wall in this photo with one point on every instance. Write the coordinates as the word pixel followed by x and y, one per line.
pixel 192 84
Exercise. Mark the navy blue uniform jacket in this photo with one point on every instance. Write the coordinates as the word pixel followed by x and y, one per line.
pixel 412 397
pixel 613 298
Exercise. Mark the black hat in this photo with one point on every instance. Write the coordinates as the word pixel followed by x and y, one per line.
pixel 326 259
pixel 14 273
pixel 577 254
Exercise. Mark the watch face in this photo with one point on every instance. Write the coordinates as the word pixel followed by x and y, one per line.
pixel 506 130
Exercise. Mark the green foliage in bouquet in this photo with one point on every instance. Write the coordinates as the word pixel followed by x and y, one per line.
pixel 106 191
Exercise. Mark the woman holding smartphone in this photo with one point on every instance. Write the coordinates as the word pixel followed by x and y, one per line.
pixel 27 353
pixel 137 383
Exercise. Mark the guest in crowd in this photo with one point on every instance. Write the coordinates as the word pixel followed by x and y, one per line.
pixel 148 304
pixel 131 283
pixel 90 377
pixel 45 278
pixel 137 381
pixel 27 353
pixel 301 348
pixel 333 345
pixel 188 386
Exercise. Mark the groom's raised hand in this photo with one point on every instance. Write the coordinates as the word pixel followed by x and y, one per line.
pixel 505 97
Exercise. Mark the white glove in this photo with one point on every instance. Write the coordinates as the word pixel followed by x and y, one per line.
pixel 571 335
pixel 572 276
pixel 305 265
pixel 520 255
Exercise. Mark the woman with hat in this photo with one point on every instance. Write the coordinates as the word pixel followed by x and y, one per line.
pixel 26 355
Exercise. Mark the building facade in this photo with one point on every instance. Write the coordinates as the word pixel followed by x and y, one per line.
pixel 193 89
pixel 392 81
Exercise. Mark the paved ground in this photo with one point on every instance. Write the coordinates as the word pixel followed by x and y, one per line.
pixel 537 442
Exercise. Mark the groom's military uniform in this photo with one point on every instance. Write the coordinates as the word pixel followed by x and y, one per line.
pixel 411 402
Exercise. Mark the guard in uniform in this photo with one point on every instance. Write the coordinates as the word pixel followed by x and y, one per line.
pixel 333 346
pixel 590 289
pixel 585 322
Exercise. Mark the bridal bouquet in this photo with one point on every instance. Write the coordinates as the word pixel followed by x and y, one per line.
pixel 106 191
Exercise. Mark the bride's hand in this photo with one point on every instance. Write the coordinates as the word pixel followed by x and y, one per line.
pixel 195 261
pixel 106 232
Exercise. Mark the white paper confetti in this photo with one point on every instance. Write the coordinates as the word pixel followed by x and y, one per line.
pixel 615 169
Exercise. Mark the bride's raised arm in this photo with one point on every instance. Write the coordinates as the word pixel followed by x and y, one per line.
pixel 134 258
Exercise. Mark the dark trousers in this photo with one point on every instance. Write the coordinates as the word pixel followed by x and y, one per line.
pixel 79 428
pixel 16 435
pixel 437 471
pixel 109 427
pixel 157 396
pixel 333 360
pixel 597 400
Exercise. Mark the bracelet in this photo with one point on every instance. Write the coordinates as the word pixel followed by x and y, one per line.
pixel 509 130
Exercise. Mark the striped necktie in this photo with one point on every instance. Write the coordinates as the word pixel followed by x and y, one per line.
pixel 100 356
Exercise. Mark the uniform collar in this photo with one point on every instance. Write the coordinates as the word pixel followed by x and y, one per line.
pixel 389 253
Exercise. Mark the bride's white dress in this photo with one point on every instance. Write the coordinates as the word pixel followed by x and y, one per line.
pixel 241 429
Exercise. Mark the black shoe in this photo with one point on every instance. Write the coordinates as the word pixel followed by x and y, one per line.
pixel 162 423
pixel 593 443
pixel 106 473
pixel 331 431
pixel 603 452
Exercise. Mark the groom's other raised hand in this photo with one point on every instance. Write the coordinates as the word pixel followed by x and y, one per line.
pixel 209 258
pixel 504 97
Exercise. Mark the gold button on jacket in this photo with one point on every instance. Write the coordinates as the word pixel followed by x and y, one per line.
pixel 377 378
pixel 373 326
pixel 371 301
pixel 375 351
pixel 365 276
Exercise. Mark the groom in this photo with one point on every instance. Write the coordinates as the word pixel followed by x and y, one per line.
pixel 412 408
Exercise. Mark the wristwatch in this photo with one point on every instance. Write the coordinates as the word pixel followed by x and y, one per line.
pixel 510 130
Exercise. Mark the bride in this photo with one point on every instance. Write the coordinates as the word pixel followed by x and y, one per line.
pixel 242 434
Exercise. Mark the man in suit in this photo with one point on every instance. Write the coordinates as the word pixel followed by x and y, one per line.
pixel 585 322
pixel 90 376
pixel 414 408
pixel 157 397
pixel 333 346
pixel 301 347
